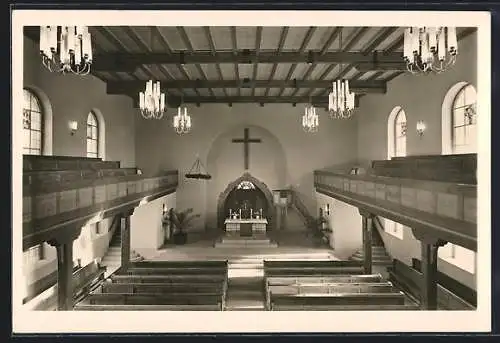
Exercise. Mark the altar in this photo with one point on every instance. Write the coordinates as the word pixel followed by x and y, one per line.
pixel 246 227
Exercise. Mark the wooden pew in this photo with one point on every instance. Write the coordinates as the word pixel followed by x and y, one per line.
pixel 174 299
pixel 359 301
pixel 328 288
pixel 109 287
pixel 448 283
pixel 180 264
pixel 166 279
pixel 173 271
pixel 87 279
pixel 288 280
pixel 409 280
pixel 119 307
pixel 311 267
pixel 41 285
pixel 47 163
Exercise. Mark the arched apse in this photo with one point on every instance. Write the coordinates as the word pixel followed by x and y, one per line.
pixel 101 133
pixel 225 162
pixel 48 119
pixel 261 186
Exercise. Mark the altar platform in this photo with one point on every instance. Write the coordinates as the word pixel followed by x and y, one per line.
pixel 245 227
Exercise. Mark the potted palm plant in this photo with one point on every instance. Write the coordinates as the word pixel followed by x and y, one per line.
pixel 180 221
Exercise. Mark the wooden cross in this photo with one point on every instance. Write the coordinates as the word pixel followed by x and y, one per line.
pixel 246 140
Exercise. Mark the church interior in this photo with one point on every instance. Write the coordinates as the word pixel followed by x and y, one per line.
pixel 238 168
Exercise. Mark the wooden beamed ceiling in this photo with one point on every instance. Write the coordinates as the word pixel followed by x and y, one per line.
pixel 246 64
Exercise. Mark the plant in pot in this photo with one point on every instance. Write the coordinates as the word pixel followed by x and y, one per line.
pixel 180 221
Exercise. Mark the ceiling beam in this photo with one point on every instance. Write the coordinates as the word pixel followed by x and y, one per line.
pixel 303 46
pixel 258 42
pixel 211 43
pixel 130 61
pixel 357 86
pixel 281 43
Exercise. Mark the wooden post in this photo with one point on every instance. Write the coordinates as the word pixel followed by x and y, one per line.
pixel 64 246
pixel 428 299
pixel 65 276
pixel 428 286
pixel 125 238
pixel 367 242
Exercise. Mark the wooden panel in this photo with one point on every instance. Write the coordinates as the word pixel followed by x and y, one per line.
pixel 447 168
pixel 46 163
pixel 451 284
pixel 452 230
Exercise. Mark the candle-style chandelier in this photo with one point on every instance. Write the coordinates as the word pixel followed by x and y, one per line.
pixel 152 101
pixel 182 120
pixel 66 49
pixel 430 49
pixel 340 99
pixel 310 119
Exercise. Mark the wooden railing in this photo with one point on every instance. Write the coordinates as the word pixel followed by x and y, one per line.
pixel 53 199
pixel 446 209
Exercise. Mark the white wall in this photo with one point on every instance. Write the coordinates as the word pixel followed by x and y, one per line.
pixel 146 230
pixel 346 223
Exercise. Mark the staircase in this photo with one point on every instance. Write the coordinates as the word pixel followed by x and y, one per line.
pixel 380 257
pixel 256 241
pixel 112 259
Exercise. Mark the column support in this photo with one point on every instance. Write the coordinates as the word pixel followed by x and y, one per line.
pixel 428 285
pixel 64 246
pixel 125 239
pixel 367 220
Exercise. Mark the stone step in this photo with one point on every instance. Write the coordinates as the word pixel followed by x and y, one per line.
pixel 243 245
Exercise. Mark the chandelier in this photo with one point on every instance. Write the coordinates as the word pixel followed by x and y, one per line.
pixel 310 120
pixel 182 120
pixel 341 100
pixel 66 49
pixel 429 49
pixel 152 101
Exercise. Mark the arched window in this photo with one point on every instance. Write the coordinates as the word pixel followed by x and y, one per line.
pixel 92 136
pixel 396 133
pixel 246 185
pixel 32 124
pixel 464 119
pixel 400 134
pixel 396 147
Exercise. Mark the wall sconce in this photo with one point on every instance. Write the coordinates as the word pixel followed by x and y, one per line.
pixel 73 126
pixel 420 127
pixel 327 209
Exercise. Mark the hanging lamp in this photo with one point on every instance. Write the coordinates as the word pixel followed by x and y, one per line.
pixel 198 171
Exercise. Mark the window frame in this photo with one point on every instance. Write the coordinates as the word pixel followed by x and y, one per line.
pixel 41 115
pixel 461 93
pixel 92 154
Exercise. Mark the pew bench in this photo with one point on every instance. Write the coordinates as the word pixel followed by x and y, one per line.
pixel 172 299
pixel 327 288
pixel 288 280
pixel 311 267
pixel 87 279
pixel 409 280
pixel 109 287
pixel 180 264
pixel 118 307
pixel 166 279
pixel 319 301
pixel 173 271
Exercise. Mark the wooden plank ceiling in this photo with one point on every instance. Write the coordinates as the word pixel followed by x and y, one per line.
pixel 247 64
